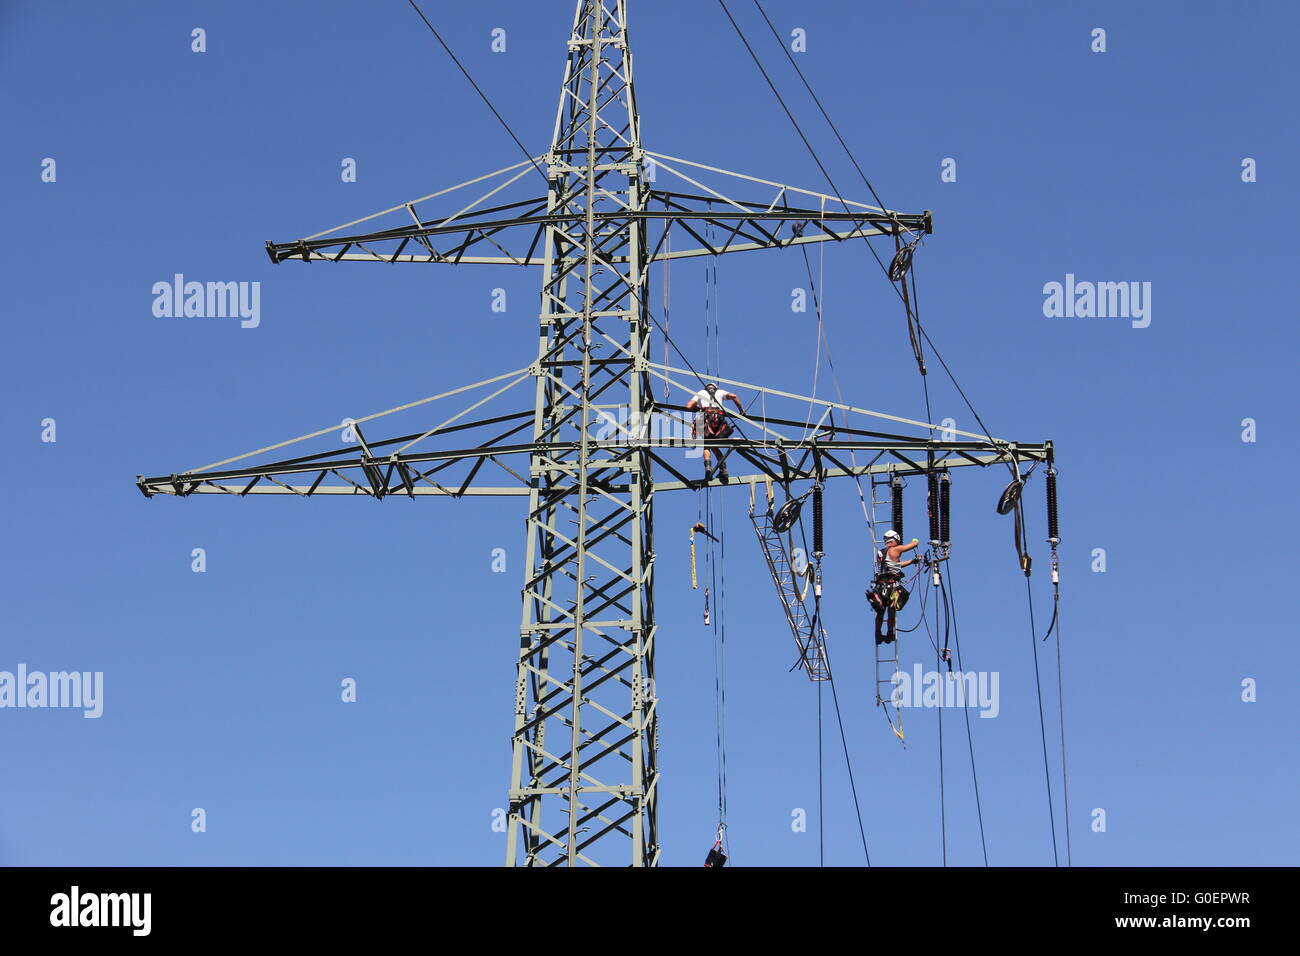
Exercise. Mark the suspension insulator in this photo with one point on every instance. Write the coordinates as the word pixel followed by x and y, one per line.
pixel 945 511
pixel 818 549
pixel 1053 529
pixel 932 505
pixel 896 491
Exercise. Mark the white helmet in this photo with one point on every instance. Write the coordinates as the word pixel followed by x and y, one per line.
pixel 892 535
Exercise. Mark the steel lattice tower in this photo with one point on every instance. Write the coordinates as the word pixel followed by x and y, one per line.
pixel 584 771
pixel 584 737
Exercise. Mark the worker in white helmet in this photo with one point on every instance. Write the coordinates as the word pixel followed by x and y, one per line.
pixel 711 422
pixel 887 594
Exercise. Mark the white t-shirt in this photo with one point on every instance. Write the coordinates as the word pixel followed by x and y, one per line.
pixel 704 400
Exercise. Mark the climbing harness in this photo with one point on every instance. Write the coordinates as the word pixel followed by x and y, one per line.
pixel 716 423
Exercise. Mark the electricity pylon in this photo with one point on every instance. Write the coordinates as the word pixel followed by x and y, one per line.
pixel 584 773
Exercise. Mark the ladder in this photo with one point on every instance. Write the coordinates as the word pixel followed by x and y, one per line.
pixel 886 654
pixel 795 601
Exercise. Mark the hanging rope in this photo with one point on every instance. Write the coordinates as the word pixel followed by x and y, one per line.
pixel 835 697
pixel 715 529
pixel 943 806
pixel 970 743
pixel 821 799
pixel 718 578
pixel 668 285
pixel 1042 721
pixel 822 337
pixel 1054 539
pixel 695 584
pixel 1065 773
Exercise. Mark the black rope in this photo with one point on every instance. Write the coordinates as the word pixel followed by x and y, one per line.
pixel 943 805
pixel 722 655
pixel 716 524
pixel 835 378
pixel 815 634
pixel 920 355
pixel 970 742
pixel 1042 721
pixel 848 761
pixel 821 802
pixel 1065 774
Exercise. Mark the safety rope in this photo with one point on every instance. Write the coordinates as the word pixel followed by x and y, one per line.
pixel 943 806
pixel 816 289
pixel 821 797
pixel 970 743
pixel 716 528
pixel 1065 773
pixel 1054 539
pixel 1042 721
pixel 835 697
pixel 667 292
pixel 720 649
pixel 824 339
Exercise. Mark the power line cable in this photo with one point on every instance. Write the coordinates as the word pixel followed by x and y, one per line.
pixel 477 89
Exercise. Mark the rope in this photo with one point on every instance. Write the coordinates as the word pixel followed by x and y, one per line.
pixel 835 379
pixel 943 807
pixel 1060 696
pixel 719 663
pixel 839 718
pixel 920 355
pixel 1042 722
pixel 821 802
pixel 970 743
pixel 717 530
pixel 667 293
pixel 848 761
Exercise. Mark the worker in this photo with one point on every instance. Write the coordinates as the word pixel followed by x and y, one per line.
pixel 711 422
pixel 887 594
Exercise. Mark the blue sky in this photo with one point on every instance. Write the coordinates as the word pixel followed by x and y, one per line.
pixel 222 688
